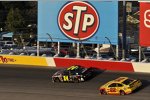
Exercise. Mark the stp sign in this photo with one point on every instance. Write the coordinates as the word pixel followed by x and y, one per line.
pixel 144 24
pixel 78 20
pixel 147 18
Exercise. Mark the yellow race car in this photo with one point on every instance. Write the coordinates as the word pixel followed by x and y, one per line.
pixel 120 86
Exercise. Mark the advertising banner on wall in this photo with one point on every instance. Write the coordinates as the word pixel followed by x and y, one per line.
pixel 76 21
pixel 144 24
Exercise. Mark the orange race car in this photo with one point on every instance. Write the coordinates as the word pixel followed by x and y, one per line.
pixel 120 86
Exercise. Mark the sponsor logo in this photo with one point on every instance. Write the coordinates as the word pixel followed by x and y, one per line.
pixel 78 20
pixel 6 60
pixel 147 18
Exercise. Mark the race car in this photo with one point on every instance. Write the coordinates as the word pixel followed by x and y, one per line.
pixel 72 74
pixel 120 86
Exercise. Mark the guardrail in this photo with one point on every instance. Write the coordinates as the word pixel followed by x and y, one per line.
pixel 67 62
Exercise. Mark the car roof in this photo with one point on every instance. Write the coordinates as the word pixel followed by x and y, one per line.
pixel 118 80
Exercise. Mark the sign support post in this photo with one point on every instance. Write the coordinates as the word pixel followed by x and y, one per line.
pixel 117 52
pixel 38 48
pixel 58 51
pixel 139 53
pixel 78 50
pixel 98 52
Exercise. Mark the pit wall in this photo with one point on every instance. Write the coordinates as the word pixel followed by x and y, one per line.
pixel 67 62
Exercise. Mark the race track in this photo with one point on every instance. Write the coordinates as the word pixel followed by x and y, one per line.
pixel 35 84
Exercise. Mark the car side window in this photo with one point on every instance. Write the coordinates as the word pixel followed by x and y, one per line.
pixel 112 85
pixel 65 73
pixel 71 72
pixel 119 85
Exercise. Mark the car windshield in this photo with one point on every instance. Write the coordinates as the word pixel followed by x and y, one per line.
pixel 79 71
pixel 127 81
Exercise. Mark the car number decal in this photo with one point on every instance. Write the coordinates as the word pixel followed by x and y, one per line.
pixel 65 78
pixel 112 89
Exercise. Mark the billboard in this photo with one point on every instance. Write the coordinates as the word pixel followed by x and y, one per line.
pixel 144 24
pixel 76 21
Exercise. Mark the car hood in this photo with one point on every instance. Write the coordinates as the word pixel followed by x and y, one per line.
pixel 58 73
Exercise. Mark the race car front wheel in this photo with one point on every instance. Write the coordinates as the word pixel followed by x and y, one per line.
pixel 76 80
pixel 56 80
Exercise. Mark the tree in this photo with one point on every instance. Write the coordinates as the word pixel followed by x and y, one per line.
pixel 27 9
pixel 15 22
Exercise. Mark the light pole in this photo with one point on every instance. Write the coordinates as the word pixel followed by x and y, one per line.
pixel 50 37
pixel 111 47
pixel 78 47
pixel 124 32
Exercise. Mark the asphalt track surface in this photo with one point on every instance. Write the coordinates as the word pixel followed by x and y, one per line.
pixel 35 84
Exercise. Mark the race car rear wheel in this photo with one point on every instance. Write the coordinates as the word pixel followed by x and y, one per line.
pixel 103 92
pixel 122 92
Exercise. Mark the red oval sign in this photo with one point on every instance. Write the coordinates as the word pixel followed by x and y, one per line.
pixel 78 20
